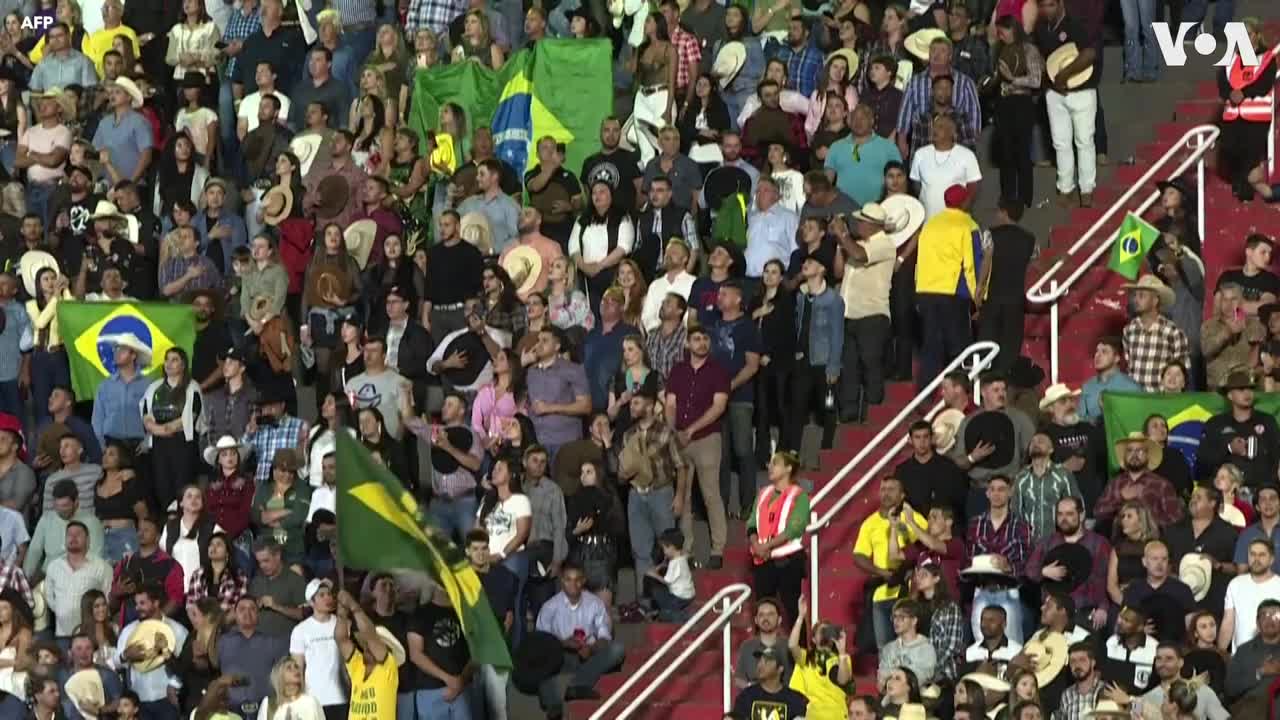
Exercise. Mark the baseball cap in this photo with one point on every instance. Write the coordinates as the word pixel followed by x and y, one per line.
pixel 314 586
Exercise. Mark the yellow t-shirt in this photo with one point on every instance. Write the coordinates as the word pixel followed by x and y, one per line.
pixel 873 541
pixel 827 701
pixel 374 697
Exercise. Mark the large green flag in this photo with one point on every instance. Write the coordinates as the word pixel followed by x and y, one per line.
pixel 560 88
pixel 1186 413
pixel 90 331
pixel 380 527
pixel 1132 243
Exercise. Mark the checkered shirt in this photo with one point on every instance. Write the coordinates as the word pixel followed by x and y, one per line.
pixel 689 53
pixel 918 99
pixel 432 14
pixel 290 432
pixel 239 27
pixel 1149 349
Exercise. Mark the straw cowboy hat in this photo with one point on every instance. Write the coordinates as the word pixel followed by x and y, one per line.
pixel 1151 283
pixel 86 685
pixel 1058 61
pixel 65 102
pixel 729 61
pixel 850 58
pixel 1048 656
pixel 359 236
pixel 39 608
pixel 334 193
pixel 474 229
pixel 145 635
pixel 1196 570
pixel 907 216
pixel 918 43
pixel 988 681
pixel 226 442
pixel 277 204
pixel 945 426
pixel 132 342
pixel 1056 392
pixel 1155 453
pixel 985 565
pixel 872 213
pixel 524 265
pixel 307 147
pixel 30 265
pixel 127 85
pixel 1107 710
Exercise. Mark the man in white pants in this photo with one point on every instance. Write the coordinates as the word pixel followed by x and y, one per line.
pixel 1072 110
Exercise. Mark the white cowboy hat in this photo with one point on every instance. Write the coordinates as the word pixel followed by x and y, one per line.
pixel 729 60
pixel 1196 570
pixel 524 266
pixel 908 215
pixel 918 43
pixel 86 685
pixel 226 442
pixel 987 681
pixel 106 210
pixel 945 426
pixel 1057 392
pixel 1059 59
pixel 127 85
pixel 359 236
pixel 985 565
pixel 132 342
pixel 30 265
pixel 39 608
pixel 393 645
pixel 306 146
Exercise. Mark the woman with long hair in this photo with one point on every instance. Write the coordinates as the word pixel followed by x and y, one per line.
pixel 368 123
pixel 95 621
pixel 506 514
pixel 654 65
pixel 1173 464
pixel 322 438
pixel 289 699
pixel 348 356
pixel 195 117
pixel 16 634
pixel 280 507
pixel 503 310
pixel 636 376
pixel 394 270
pixel 743 85
pixel 595 521
pixel 229 496
pixel 567 306
pixel 704 119
pixel 497 403
pixel 517 436
pixel 893 33
pixel 634 288
pixel 477 44
pixel 1133 528
pixel 373 83
pixel 1203 656
pixel 836 79
pixel 219 577
pixel 391 58
pixel 790 182
pixel 330 292
pixel 119 503
pixel 1019 71
pixel 945 620
pixel 48 363
pixel 1235 510
pixel 409 173
pixel 900 688
pixel 371 429
pixel 193 47
pixel 171 414
pixel 426 50
pixel 774 315
pixel 186 537
pixel 822 667
pixel 181 176
pixel 537 317
pixel 200 653
pixel 1023 688
pixel 15 42
pixel 601 238
pixel 969 692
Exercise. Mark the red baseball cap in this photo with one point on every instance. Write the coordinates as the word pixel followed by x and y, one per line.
pixel 956 196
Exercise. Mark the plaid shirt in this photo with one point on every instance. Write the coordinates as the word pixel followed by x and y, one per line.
pixel 434 15
pixel 1012 539
pixel 689 54
pixel 918 99
pixel 239 27
pixel 1076 705
pixel 354 13
pixel 12 578
pixel 1149 349
pixel 231 587
pixel 1035 497
pixel 666 350
pixel 946 633
pixel 657 444
pixel 922 130
pixel 803 67
pixel 1154 491
pixel 1092 593
pixel 514 321
pixel 289 432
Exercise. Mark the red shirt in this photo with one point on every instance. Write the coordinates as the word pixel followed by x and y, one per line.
pixel 688 55
pixel 229 505
pixel 955 558
pixel 695 391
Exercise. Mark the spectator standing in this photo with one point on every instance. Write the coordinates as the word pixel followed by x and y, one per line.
pixel 768 694
pixel 1152 340
pixel 48 540
pixel 69 577
pixel 946 282
pixel 245 651
pixel 1040 486
pixel 116 413
pixel 1170 598
pixel 735 344
pixel 1072 109
pixel 1267 499
pixel 872 555
pixel 1091 594
pixel 280 592
pixel 1001 533
pixel 1246 595
pixel 653 465
pixel 1205 534
pixel 870 258
pixel 558 392
pixel 1107 356
pixel 1137 482
pixel 156 688
pixel 1242 436
pixel 768 616
pixel 775 532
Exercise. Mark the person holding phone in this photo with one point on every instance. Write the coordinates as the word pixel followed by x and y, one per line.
pixel 1228 338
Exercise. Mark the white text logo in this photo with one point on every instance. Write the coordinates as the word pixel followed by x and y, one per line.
pixel 1205 44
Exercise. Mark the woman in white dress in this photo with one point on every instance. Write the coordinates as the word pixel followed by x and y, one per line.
pixel 289 699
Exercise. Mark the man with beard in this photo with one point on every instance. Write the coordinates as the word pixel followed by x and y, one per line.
pixel 212 340
pixel 768 618
pixel 498 208
pixel 934 543
pixel 1107 354
pixel 930 479
pixel 529 225
pixel 665 343
pixel 1077 701
pixel 372 203
pixel 1245 595
pixel 1001 533
pixel 734 175
pixel 993 647
pixel 146 251
pixel 221 230
pixel 1092 593
pixel 557 206
pixel 1040 486
pixel 1242 436
pixel 343 166
pixel 105 248
pixel 771 123
pixel 618 168
pixel 1137 482
pixel 971 459
pixel 1255 665
pixel 1168 668
pixel 454 270
pixel 1206 533
pixel 922 91
pixel 481 150
pixel 1267 500
pixel 1071 440
pixel 1168 600
pixel 229 404
pixel 1130 652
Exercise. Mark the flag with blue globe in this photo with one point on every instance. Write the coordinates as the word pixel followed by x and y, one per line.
pixel 94 329
pixel 1131 245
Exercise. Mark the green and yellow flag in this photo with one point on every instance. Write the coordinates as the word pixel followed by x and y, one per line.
pixel 1186 414
pixel 380 527
pixel 1132 243
pixel 90 330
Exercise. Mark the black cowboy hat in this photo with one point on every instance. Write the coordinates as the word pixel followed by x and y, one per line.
pixel 538 657
pixel 1179 184
pixel 461 438
pixel 993 427
pixel 1078 562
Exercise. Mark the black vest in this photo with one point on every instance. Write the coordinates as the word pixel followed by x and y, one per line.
pixel 650 248
pixel 173 533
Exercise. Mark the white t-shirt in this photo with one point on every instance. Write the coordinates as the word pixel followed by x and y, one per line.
pixel 323 498
pixel 315 642
pixel 937 171
pixel 501 523
pixel 1244 595
pixel 678 578
pixel 40 139
pixel 303 707
pixel 249 108
pixel 790 189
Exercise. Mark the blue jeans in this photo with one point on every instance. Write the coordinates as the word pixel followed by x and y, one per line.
pixel 10 398
pixel 737 429
pixel 671 609
pixel 648 515
pixel 38 195
pixel 47 370
pixel 159 710
pixel 586 673
pixel 1141 59
pixel 431 705
pixel 1196 11
pixel 229 143
pixel 455 517
pixel 518 563
pixel 882 621
pixel 1007 599
pixel 118 542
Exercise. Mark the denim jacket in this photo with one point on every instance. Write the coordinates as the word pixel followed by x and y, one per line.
pixel 826 333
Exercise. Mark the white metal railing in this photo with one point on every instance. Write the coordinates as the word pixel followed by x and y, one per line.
pixel 977 357
pixel 1200 139
pixel 726 602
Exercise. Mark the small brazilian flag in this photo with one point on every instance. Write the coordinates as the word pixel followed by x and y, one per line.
pixel 1132 244
pixel 90 330
pixel 381 528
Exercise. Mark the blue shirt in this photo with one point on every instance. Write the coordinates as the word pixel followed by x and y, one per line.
pixel 84 431
pixel 602 356
pixel 502 213
pixel 239 235
pixel 17 323
pixel 239 27
pixel 126 137
pixel 1091 393
pixel 252 657
pixel 731 340
pixel 561 619
pixel 771 235
pixel 860 170
pixel 803 67
pixel 117 410
pixel 54 71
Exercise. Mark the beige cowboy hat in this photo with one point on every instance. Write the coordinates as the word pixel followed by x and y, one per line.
pixel 474 228
pixel 132 342
pixel 906 215
pixel 524 265
pixel 1058 61
pixel 277 204
pixel 987 681
pixel 1155 453
pixel 107 210
pixel 306 147
pixel 1048 654
pixel 729 61
pixel 360 236
pixel 86 685
pixel 30 265
pixel 65 102
pixel 1107 710
pixel 850 57
pixel 1196 570
pixel 127 85
pixel 226 442
pixel 945 426
pixel 39 608
pixel 917 43
pixel 1151 283
pixel 145 634
pixel 873 213
pixel 985 565
pixel 334 193
pixel 394 646
pixel 1056 392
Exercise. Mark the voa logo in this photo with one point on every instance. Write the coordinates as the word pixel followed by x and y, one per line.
pixel 1205 44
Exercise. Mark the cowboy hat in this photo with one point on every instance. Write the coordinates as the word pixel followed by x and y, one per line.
pixel 459 437
pixel 1058 61
pixel 524 266
pixel 1155 453
pixel 1077 561
pixel 334 193
pixel 1048 654
pixel 39 608
pixel 873 213
pixel 359 236
pixel 30 265
pixel 86 685
pixel 1151 283
pixel 306 147
pixel 1196 570
pixel 277 204
pixel 985 565
pixel 907 216
pixel 918 43
pixel 127 85
pixel 993 427
pixel 1179 184
pixel 945 426
pixel 474 228
pixel 106 210
pixel 394 646
pixel 226 442
pixel 130 341
pixel 850 58
pixel 56 93
pixel 1107 710
pixel 1238 379
pixel 729 61
pixel 987 681
pixel 144 634
pixel 1056 392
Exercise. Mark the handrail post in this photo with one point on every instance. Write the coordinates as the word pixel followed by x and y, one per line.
pixel 728 658
pixel 1199 185
pixel 813 567
pixel 1053 332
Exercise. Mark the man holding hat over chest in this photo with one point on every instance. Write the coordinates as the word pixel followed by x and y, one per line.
pixel 1072 100
pixel 870 257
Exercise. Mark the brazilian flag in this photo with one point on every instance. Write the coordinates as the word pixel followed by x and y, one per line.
pixel 90 330
pixel 380 527
pixel 1186 414
pixel 1132 244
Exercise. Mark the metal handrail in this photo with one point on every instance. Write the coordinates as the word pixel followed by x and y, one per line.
pixel 728 608
pixel 983 354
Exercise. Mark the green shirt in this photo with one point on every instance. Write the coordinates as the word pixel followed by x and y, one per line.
pixel 797 521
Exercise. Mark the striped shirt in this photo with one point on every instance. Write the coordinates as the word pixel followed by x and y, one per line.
pixel 354 13
pixel 1012 539
pixel 1035 497
pixel 453 484
pixel 64 586
pixel 239 27
pixel 918 98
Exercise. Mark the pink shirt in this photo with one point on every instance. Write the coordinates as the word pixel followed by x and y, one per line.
pixel 546 248
pixel 40 139
pixel 488 412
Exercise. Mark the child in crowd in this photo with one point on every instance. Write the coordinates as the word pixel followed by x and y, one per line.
pixel 671 589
